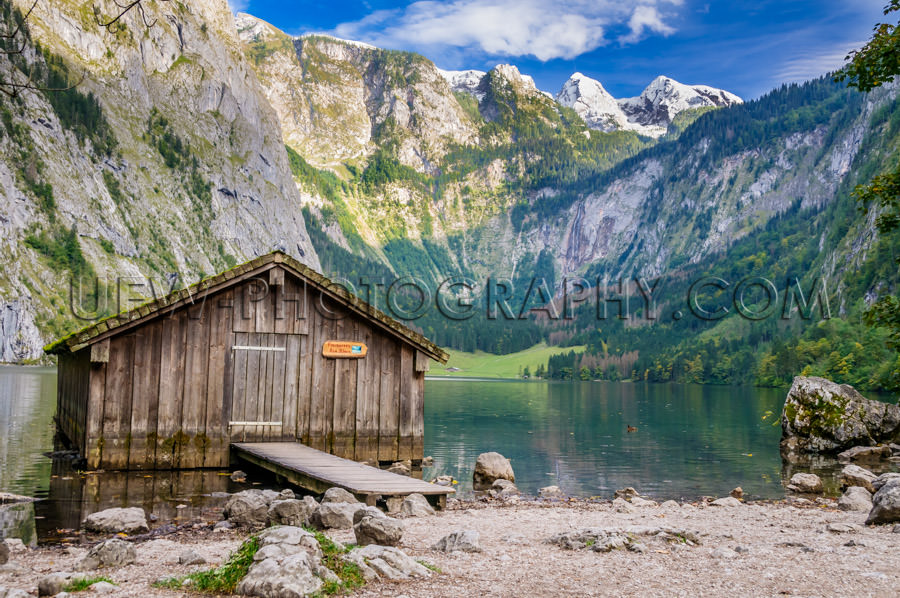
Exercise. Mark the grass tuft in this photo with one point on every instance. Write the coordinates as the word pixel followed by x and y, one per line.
pixel 349 573
pixel 85 583
pixel 430 567
pixel 222 580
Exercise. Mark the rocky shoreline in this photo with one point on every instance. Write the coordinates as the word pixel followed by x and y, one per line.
pixel 516 545
pixel 278 544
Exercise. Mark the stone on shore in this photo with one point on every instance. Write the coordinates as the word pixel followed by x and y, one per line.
pixel 638 501
pixel 4 553
pixel 292 511
pixel 191 557
pixel 336 515
pixel 886 502
pixel 289 576
pixel 249 508
pixel 728 501
pixel 854 475
pixel 865 453
pixel 385 562
pixel 855 498
pixel 238 477
pixel 737 493
pixel 490 467
pixel 111 553
pixel 53 584
pixel 381 530
pixel 550 492
pixel 103 587
pixel 416 505
pixel 820 416
pixel 338 495
pixel 367 512
pixel 503 489
pixel 463 540
pixel 626 493
pixel 609 539
pixel 13 593
pixel 806 483
pixel 117 521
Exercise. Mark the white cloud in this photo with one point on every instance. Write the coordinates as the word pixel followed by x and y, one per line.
pixel 815 63
pixel 237 6
pixel 546 29
pixel 645 18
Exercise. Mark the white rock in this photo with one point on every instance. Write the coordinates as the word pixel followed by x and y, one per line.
pixel 807 483
pixel 463 540
pixel 727 501
pixel 111 553
pixel 855 498
pixel 416 505
pixel 113 521
pixel 490 467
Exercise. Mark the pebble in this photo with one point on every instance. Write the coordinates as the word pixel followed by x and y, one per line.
pixel 191 557
pixel 103 587
pixel 841 528
pixel 724 553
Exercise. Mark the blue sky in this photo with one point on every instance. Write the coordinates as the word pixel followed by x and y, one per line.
pixel 745 47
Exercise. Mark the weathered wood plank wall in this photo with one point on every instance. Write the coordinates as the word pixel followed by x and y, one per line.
pixel 243 364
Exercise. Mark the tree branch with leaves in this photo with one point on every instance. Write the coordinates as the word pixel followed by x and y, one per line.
pixel 877 63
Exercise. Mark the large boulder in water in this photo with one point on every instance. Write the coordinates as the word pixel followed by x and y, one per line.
pixel 490 467
pixel 820 416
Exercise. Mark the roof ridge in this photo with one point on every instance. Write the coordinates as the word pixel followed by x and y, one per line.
pixel 89 334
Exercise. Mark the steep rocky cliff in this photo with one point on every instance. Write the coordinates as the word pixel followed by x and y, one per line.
pixel 181 173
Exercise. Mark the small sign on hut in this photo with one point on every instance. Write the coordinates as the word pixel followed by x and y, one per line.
pixel 269 351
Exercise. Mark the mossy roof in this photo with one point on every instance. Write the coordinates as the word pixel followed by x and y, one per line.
pixel 152 309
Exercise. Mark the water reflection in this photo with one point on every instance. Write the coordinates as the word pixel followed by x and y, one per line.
pixel 27 407
pixel 689 441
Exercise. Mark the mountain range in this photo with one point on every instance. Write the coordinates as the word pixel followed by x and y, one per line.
pixel 208 138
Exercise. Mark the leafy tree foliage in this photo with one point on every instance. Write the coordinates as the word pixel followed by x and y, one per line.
pixel 872 66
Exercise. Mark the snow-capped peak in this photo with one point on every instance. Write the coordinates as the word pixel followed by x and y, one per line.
pixel 650 114
pixel 511 73
pixel 464 81
pixel 665 97
pixel 592 103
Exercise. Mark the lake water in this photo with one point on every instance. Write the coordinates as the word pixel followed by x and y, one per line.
pixel 690 441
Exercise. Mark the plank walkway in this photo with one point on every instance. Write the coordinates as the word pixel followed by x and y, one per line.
pixel 318 471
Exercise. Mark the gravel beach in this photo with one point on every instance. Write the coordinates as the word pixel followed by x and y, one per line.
pixel 794 547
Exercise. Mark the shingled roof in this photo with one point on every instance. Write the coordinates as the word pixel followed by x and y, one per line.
pixel 187 296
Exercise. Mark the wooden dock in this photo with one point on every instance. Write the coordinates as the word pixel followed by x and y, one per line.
pixel 318 471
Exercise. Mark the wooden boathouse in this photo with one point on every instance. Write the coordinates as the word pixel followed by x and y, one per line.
pixel 267 352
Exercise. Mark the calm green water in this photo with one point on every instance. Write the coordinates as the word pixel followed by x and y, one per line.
pixel 691 440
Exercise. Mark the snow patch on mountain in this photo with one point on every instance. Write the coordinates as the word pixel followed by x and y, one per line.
pixel 649 114
pixel 464 81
